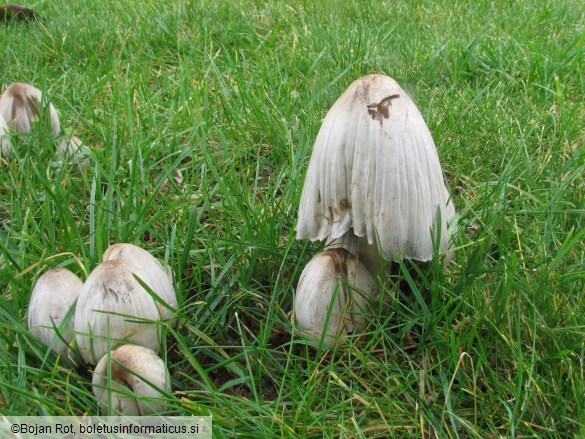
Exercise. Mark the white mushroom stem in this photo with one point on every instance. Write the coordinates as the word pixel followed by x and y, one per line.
pixel 137 385
pixel 52 298
pixel 333 295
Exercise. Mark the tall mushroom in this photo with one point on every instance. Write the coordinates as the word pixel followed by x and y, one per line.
pixel 374 185
pixel 22 106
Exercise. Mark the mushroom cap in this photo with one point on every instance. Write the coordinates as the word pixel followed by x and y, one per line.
pixel 53 295
pixel 375 169
pixel 149 270
pixel 19 105
pixel 138 375
pixel 112 304
pixel 332 295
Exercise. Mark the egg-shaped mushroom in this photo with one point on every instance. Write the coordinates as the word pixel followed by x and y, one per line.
pixel 113 309
pixel 333 296
pixel 22 105
pixel 375 176
pixel 53 295
pixel 137 385
pixel 148 269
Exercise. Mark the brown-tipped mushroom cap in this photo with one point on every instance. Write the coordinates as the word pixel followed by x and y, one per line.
pixel 21 107
pixel 375 173
pixel 139 380
pixel 333 296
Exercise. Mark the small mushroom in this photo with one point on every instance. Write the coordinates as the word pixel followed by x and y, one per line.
pixel 53 295
pixel 74 151
pixel 375 177
pixel 149 270
pixel 333 296
pixel 113 309
pixel 22 106
pixel 137 385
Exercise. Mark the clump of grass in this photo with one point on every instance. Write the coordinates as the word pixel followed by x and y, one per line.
pixel 232 95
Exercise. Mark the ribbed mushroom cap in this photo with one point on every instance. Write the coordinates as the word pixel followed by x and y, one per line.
pixel 374 172
pixel 21 107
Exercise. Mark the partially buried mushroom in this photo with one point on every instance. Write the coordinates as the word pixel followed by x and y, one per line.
pixel 137 384
pixel 374 185
pixel 333 293
pixel 72 150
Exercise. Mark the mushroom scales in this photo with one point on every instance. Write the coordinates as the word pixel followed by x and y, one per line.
pixel 375 174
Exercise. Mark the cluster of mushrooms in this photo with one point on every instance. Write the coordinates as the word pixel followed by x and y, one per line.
pixel 23 109
pixel 374 191
pixel 115 317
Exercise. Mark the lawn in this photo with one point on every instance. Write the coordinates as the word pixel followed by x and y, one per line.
pixel 231 95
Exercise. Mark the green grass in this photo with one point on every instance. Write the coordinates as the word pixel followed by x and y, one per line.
pixel 232 94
